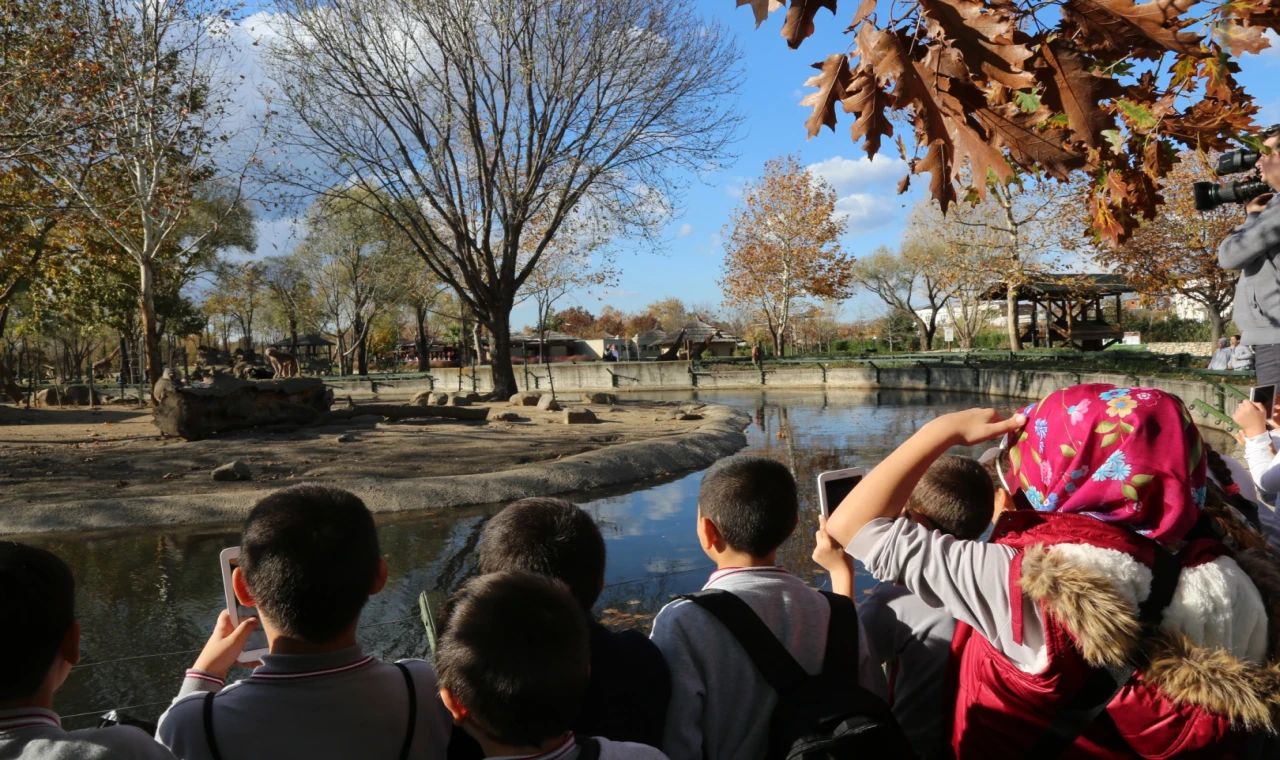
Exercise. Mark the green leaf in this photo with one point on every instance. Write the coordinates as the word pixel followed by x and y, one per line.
pixel 1023 479
pixel 1022 437
pixel 1059 120
pixel 1035 456
pixel 1129 492
pixel 1067 451
pixel 1141 480
pixel 1126 427
pixel 1194 458
pixel 1109 439
pixel 1105 427
pixel 1015 457
pixel 1029 102
pixel 1113 136
pixel 1138 114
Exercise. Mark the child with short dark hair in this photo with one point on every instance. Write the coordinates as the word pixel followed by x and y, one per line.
pixel 41 639
pixel 627 695
pixel 721 704
pixel 309 562
pixel 514 665
pixel 911 639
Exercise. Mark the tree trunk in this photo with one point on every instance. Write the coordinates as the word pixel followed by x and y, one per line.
pixel 293 335
pixel 1217 323
pixel 1011 314
pixel 126 366
pixel 420 339
pixel 362 355
pixel 504 377
pixel 151 336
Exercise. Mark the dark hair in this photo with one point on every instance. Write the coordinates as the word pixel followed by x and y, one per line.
pixel 513 650
pixel 37 595
pixel 1222 481
pixel 752 501
pixel 957 496
pixel 309 554
pixel 550 537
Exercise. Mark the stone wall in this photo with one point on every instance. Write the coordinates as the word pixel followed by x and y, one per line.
pixel 1195 349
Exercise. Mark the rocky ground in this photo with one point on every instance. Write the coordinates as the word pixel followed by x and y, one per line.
pixel 55 455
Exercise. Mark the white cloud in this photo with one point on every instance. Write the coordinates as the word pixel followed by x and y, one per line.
pixel 867 212
pixel 685 230
pixel 848 175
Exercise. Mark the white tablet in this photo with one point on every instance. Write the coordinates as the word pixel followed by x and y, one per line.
pixel 833 486
pixel 256 646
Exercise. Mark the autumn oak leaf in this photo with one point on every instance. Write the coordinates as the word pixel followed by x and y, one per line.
pixel 869 103
pixel 832 81
pixel 762 8
pixel 1144 30
pixel 799 24
pixel 1070 87
pixel 865 9
pixel 985 38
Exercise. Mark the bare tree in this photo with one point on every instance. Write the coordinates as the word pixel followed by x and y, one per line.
pixel 969 258
pixel 464 124
pixel 902 280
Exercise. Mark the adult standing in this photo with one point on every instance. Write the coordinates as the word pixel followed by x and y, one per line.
pixel 1253 248
pixel 1241 355
pixel 755 354
pixel 1222 357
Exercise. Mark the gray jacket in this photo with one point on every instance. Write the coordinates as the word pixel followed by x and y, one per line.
pixel 1253 248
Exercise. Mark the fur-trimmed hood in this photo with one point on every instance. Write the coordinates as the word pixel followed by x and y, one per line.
pixel 1216 649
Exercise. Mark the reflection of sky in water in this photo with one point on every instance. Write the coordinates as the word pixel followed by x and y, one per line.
pixel 151 595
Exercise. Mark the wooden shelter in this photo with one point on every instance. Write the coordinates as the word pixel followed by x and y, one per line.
pixel 309 346
pixel 1067 310
pixel 700 338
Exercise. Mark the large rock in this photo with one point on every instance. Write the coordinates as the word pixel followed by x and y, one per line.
pixel 474 397
pixel 497 416
pixel 459 401
pixel 71 395
pixel 233 471
pixel 429 398
pixel 549 404
pixel 525 399
pixel 579 415
pixel 229 404
pixel 599 398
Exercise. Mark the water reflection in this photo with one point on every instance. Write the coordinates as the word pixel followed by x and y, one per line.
pixel 153 595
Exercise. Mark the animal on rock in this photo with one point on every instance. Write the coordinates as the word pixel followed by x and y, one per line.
pixel 284 364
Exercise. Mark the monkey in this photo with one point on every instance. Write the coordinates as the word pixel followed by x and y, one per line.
pixel 285 365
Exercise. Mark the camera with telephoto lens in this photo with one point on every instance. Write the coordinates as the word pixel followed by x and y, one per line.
pixel 1209 195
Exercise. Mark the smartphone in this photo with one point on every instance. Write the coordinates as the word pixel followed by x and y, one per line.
pixel 833 486
pixel 256 646
pixel 1265 395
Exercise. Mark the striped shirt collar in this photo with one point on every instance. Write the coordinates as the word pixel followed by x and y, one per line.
pixel 291 667
pixel 726 572
pixel 28 717
pixel 561 750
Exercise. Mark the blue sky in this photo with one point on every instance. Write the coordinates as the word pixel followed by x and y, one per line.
pixel 689 259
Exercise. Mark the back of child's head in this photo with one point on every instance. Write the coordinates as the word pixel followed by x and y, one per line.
pixel 550 537
pixel 37 597
pixel 309 554
pixel 513 651
pixel 752 501
pixel 956 495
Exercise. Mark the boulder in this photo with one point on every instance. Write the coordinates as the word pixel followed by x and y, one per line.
pixel 71 395
pixel 599 398
pixel 429 398
pixel 525 399
pixel 233 471
pixel 474 397
pixel 345 438
pixel 459 401
pixel 548 404
pixel 579 415
pixel 227 404
pixel 496 416
pixel 683 416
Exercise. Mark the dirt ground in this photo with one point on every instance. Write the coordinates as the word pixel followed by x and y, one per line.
pixel 52 455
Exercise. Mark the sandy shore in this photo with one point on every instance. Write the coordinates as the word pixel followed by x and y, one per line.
pixel 83 470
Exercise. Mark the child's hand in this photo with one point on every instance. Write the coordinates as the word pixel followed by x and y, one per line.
pixel 828 552
pixel 1251 417
pixel 225 645
pixel 974 426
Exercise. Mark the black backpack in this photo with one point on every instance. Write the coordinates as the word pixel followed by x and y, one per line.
pixel 823 717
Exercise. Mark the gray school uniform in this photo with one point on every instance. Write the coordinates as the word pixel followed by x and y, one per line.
pixel 609 750
pixel 720 703
pixel 336 705
pixel 913 642
pixel 32 734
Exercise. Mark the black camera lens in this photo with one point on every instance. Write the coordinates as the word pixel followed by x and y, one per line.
pixel 1209 196
pixel 1236 161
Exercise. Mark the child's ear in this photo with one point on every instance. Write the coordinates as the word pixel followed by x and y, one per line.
pixel 69 649
pixel 455 708
pixel 1003 503
pixel 379 578
pixel 241 588
pixel 709 535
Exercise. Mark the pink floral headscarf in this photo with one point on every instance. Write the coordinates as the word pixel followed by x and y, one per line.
pixel 1129 456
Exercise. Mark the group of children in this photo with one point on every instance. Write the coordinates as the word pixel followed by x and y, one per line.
pixel 1120 608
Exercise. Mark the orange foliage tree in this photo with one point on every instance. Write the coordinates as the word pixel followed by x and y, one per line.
pixel 782 245
pixel 1110 88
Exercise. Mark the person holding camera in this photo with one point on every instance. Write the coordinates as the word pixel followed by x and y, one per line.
pixel 1254 249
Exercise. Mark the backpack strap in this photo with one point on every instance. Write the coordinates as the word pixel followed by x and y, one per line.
pixel 841 659
pixel 413 712
pixel 1106 683
pixel 773 660
pixel 588 747
pixel 208 727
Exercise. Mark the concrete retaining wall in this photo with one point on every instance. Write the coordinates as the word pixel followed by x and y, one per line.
pixel 649 376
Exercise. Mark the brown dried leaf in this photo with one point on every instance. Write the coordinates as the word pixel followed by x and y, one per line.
pixel 1241 39
pixel 1141 30
pixel 1072 89
pixel 799 24
pixel 985 38
pixel 869 103
pixel 865 9
pixel 761 8
pixel 1029 144
pixel 833 82
pixel 940 163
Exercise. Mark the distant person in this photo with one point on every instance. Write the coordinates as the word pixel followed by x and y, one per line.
pixel 42 639
pixel 1222 357
pixel 514 670
pixel 909 637
pixel 755 354
pixel 309 562
pixel 721 703
pixel 627 695
pixel 1242 357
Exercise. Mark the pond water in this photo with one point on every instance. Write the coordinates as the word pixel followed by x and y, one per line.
pixel 148 598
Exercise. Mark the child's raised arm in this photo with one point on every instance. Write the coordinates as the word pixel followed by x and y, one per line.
pixel 885 490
